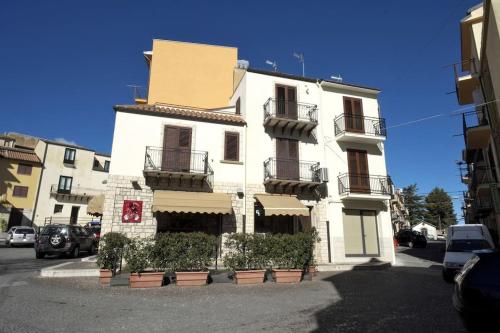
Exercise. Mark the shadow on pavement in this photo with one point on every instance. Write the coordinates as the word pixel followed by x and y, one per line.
pixel 434 251
pixel 398 299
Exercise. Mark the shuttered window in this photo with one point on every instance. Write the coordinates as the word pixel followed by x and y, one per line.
pixel 24 169
pixel 231 146
pixel 20 191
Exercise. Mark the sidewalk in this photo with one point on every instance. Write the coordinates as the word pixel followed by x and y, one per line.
pixel 84 268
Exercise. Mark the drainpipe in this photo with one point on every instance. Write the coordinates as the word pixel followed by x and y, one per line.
pixel 245 166
pixel 39 183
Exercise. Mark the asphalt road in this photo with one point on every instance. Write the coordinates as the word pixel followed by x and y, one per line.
pixel 408 298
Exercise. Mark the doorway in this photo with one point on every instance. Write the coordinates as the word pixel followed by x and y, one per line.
pixel 15 217
pixel 359 178
pixel 286 102
pixel 287 159
pixel 353 114
pixel 74 215
pixel 176 154
pixel 360 233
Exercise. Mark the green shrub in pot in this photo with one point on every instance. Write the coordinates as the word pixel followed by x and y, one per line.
pixel 138 255
pixel 111 247
pixel 247 251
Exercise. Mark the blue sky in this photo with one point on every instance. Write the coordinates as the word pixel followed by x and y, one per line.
pixel 64 64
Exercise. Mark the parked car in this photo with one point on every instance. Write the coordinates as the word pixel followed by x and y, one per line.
pixel 20 236
pixel 461 241
pixel 441 237
pixel 64 239
pixel 477 290
pixel 95 228
pixel 411 238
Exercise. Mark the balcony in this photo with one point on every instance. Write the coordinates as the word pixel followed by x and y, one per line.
pixel 364 187
pixel 294 117
pixel 74 192
pixel 360 129
pixel 482 180
pixel 482 206
pixel 466 82
pixel 477 131
pixel 178 165
pixel 292 174
pixel 140 94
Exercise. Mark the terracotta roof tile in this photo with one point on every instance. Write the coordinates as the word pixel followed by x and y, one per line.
pixel 174 111
pixel 19 154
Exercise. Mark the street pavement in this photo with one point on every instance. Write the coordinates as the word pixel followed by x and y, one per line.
pixel 410 297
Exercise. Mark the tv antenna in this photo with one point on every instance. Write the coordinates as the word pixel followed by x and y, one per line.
pixel 300 58
pixel 273 64
pixel 337 78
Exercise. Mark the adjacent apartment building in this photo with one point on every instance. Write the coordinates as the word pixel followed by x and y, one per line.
pixel 219 147
pixel 60 182
pixel 477 79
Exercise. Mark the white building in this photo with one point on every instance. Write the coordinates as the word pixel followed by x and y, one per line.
pixel 427 229
pixel 281 154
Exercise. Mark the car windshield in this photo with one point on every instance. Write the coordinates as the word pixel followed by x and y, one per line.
pixel 54 230
pixel 468 245
pixel 25 231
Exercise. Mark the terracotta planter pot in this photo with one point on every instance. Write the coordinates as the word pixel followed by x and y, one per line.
pixel 146 280
pixel 287 275
pixel 105 276
pixel 249 277
pixel 191 278
pixel 312 270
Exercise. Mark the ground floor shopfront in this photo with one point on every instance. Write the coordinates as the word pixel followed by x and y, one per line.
pixel 350 232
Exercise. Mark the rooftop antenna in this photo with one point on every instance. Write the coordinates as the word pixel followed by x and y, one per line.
pixel 300 57
pixel 273 64
pixel 337 78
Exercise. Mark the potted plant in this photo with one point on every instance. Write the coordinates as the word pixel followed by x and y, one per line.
pixel 247 257
pixel 138 256
pixel 311 262
pixel 110 254
pixel 289 256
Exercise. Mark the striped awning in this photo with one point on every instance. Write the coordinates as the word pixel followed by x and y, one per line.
pixel 282 205
pixel 192 202
pixel 95 205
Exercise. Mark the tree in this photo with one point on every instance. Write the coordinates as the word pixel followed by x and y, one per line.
pixel 414 203
pixel 439 208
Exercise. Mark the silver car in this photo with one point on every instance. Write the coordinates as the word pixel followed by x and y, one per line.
pixel 20 236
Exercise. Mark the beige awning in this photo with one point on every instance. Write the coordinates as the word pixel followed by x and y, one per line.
pixel 281 205
pixel 192 202
pixel 95 205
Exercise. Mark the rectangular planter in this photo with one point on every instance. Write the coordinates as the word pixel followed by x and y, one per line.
pixel 105 276
pixel 191 278
pixel 312 270
pixel 249 277
pixel 287 275
pixel 146 280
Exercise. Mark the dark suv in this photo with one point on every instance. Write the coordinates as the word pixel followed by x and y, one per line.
pixel 411 238
pixel 64 239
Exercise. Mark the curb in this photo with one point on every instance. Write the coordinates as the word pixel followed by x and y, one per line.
pixel 354 267
pixel 58 271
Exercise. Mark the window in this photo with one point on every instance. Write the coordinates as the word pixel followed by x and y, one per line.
pixel 106 166
pixel 24 169
pixel 238 106
pixel 58 208
pixel 97 165
pixel 64 184
pixel 20 191
pixel 231 146
pixel 69 156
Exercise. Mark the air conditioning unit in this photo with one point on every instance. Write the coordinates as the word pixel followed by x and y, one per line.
pixel 323 175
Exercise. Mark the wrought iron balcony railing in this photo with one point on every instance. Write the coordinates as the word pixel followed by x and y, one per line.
pixel 481 175
pixel 364 184
pixel 360 125
pixel 290 110
pixel 177 160
pixel 75 190
pixel 289 169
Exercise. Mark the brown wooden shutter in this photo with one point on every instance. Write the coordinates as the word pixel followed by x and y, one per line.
pixel 231 146
pixel 185 138
pixel 358 171
pixel 353 115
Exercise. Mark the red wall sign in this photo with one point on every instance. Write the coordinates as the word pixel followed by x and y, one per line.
pixel 132 211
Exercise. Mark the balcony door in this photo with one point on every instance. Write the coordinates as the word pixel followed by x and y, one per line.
pixel 353 115
pixel 287 159
pixel 176 154
pixel 359 178
pixel 286 102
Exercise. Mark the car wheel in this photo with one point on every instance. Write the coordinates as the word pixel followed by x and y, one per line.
pixel 40 255
pixel 76 252
pixel 447 276
pixel 92 249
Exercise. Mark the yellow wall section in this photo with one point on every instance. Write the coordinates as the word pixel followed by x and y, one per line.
pixel 9 178
pixel 190 74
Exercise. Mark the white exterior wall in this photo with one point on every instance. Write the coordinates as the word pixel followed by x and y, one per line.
pixel 431 230
pixel 83 176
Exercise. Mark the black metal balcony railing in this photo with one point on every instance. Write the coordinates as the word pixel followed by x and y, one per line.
pixel 289 169
pixel 474 119
pixel 481 175
pixel 361 125
pixel 290 110
pixel 365 184
pixel 473 69
pixel 177 160
pixel 75 190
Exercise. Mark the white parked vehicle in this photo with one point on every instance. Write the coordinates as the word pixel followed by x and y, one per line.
pixel 461 241
pixel 20 236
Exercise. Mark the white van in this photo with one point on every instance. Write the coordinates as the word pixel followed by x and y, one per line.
pixel 461 240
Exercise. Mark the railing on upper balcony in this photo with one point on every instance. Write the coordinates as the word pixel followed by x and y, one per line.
pixel 290 110
pixel 140 93
pixel 360 125
pixel 75 190
pixel 482 175
pixel 176 160
pixel 473 68
pixel 476 118
pixel 290 169
pixel 364 184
